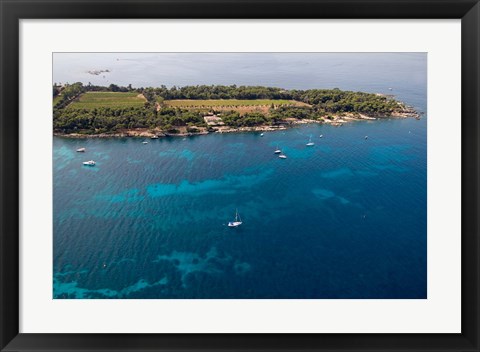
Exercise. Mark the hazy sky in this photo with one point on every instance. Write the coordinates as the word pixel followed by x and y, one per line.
pixel 286 70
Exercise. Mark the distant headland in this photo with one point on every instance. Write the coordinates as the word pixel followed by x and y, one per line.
pixel 95 111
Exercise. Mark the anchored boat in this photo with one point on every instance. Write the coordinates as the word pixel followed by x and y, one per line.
pixel 237 222
pixel 310 143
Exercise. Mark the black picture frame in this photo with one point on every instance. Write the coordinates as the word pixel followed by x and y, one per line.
pixel 14 10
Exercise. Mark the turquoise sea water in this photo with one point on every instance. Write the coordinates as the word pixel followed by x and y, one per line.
pixel 343 219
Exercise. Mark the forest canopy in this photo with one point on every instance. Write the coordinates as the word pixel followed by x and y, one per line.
pixel 153 110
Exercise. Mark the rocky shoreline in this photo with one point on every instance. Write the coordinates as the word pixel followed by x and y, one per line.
pixel 289 122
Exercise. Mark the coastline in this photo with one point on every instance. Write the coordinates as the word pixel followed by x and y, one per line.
pixel 338 120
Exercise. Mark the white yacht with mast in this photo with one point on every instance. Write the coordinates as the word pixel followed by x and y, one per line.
pixel 237 222
pixel 310 143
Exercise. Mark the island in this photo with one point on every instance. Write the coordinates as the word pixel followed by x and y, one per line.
pixel 96 111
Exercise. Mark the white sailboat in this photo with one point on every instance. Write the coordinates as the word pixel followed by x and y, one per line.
pixel 89 163
pixel 237 222
pixel 282 156
pixel 310 143
pixel 81 150
pixel 278 151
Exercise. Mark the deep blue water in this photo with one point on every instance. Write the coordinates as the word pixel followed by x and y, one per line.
pixel 346 218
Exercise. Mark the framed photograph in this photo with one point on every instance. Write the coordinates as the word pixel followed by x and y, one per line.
pixel 203 175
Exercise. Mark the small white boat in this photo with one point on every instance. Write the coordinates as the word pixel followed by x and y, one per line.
pixel 154 137
pixel 261 134
pixel 366 137
pixel 390 88
pixel 145 142
pixel 237 222
pixel 278 151
pixel 89 163
pixel 282 156
pixel 310 143
pixel 321 136
pixel 81 150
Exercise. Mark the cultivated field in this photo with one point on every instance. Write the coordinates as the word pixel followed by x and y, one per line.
pixel 212 103
pixel 242 106
pixel 92 100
